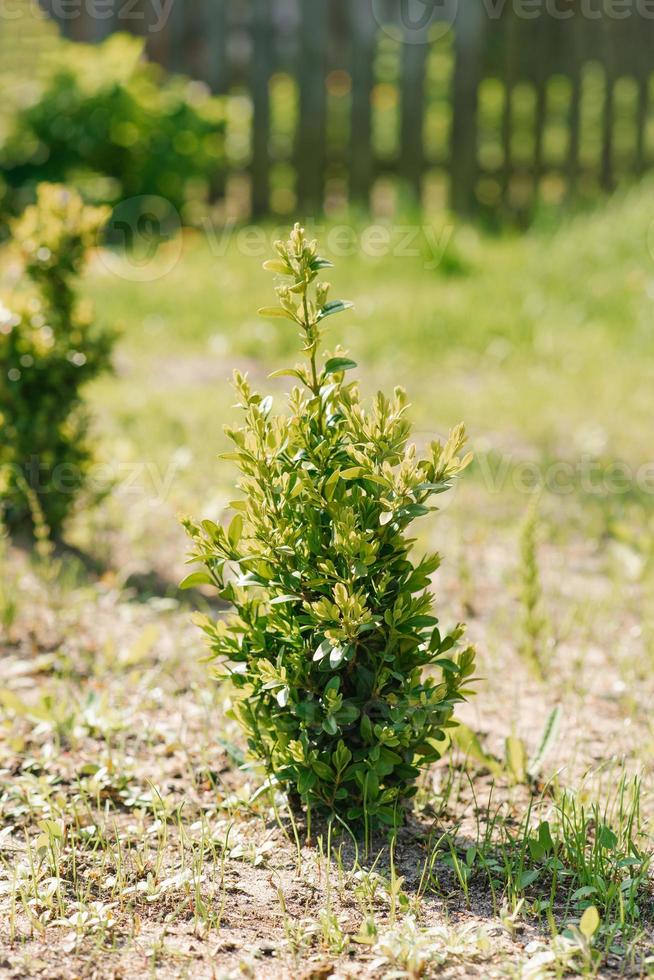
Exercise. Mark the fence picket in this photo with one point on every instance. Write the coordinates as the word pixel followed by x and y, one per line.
pixel 642 104
pixel 540 112
pixel 606 165
pixel 412 157
pixel 310 142
pixel 363 33
pixel 574 114
pixel 511 29
pixel 260 80
pixel 468 45
pixel 606 159
pixel 215 58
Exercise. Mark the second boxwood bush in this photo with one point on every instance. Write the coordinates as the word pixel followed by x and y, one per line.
pixel 109 121
pixel 50 347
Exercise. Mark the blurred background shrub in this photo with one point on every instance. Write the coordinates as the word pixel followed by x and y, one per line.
pixel 50 346
pixel 116 127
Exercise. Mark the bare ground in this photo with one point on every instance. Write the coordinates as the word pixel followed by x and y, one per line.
pixel 129 843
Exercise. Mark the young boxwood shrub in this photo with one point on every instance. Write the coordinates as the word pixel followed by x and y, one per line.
pixel 49 348
pixel 115 124
pixel 332 627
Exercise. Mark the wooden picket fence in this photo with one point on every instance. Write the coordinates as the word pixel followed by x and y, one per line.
pixel 491 105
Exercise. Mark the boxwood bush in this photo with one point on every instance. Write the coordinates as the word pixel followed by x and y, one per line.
pixel 50 347
pixel 117 126
pixel 343 680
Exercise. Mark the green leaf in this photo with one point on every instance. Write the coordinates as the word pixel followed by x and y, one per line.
pixel 277 312
pixel 545 837
pixel 284 598
pixel 323 770
pixel 371 785
pixel 235 530
pixel 387 816
pixel 329 725
pixel 320 263
pixel 287 373
pixel 589 922
pixel 307 710
pixel 322 651
pixel 376 478
pixel 547 741
pixel 366 729
pixel 606 838
pixel 342 757
pixel 527 878
pixel 516 758
pixel 277 265
pixel 330 485
pixel 306 781
pixel 211 528
pixel 420 622
pixel 468 742
pixel 347 714
pixel 336 364
pixel 195 579
pixel 282 697
pixel 584 892
pixel 335 306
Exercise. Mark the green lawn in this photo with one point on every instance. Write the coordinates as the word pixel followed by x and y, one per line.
pixel 542 343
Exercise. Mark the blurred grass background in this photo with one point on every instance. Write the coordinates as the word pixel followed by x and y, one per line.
pixel 542 343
